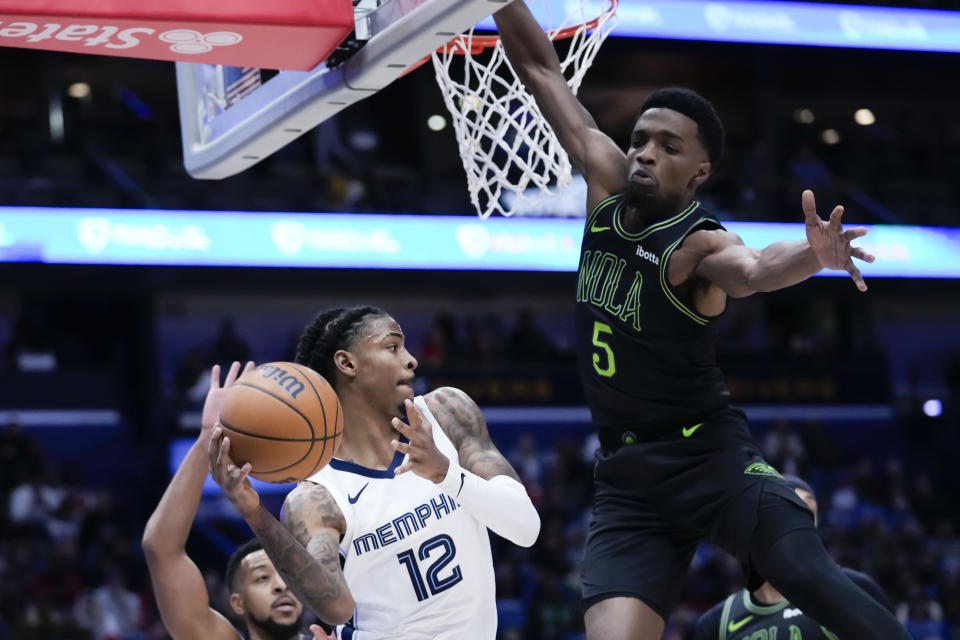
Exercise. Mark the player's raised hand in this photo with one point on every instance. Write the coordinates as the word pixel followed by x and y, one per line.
pixel 426 460
pixel 216 394
pixel 231 478
pixel 831 243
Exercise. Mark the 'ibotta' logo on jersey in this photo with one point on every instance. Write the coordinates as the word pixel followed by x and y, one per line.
pixel 182 41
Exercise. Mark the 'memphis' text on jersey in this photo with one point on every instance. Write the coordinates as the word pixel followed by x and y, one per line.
pixel 405 524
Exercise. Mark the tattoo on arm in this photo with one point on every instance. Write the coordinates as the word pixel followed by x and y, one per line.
pixel 309 562
pixel 462 421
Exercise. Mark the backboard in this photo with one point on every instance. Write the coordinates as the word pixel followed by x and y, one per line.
pixel 224 137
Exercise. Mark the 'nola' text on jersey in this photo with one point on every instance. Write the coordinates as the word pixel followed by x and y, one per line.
pixel 109 36
pixel 598 282
pixel 405 524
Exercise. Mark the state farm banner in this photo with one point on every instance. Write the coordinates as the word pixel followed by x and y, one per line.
pixel 242 33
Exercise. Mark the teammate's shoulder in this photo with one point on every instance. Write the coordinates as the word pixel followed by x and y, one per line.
pixel 707 626
pixel 712 614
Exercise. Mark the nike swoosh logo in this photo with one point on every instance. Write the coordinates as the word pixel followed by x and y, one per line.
pixel 463 477
pixel 594 228
pixel 688 431
pixel 353 499
pixel 733 626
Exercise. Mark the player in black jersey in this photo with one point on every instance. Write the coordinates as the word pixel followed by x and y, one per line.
pixel 764 614
pixel 677 464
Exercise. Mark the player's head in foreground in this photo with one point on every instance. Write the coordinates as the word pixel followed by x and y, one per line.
pixel 259 594
pixel 676 141
pixel 805 492
pixel 361 352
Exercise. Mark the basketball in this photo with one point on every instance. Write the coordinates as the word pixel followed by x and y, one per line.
pixel 284 419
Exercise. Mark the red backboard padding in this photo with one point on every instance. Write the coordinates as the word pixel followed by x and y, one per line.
pixel 273 35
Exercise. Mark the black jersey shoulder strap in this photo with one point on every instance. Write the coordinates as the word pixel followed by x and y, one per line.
pixel 600 206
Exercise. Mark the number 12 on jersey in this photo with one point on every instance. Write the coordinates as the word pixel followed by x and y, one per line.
pixel 432 579
pixel 610 365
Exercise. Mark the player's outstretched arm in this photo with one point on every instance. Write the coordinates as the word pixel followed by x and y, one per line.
pixel 481 480
pixel 535 60
pixel 178 585
pixel 308 554
pixel 722 259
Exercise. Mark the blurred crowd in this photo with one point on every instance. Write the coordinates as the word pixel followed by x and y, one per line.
pixel 70 562
pixel 71 567
pixel 897 172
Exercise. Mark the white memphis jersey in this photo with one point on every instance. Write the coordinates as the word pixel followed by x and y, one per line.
pixel 418 565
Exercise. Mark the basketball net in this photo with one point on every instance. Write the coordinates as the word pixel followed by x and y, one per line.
pixel 504 141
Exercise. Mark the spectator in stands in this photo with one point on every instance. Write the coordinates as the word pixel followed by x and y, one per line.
pixel 111 610
pixel 783 447
pixel 922 616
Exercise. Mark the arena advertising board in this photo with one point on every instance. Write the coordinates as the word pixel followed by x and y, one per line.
pixel 768 22
pixel 386 241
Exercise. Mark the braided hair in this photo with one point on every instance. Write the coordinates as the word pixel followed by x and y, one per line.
pixel 330 331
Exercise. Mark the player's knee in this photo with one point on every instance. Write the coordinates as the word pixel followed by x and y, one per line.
pixel 792 562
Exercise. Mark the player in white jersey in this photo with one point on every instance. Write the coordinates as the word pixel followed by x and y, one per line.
pixel 370 547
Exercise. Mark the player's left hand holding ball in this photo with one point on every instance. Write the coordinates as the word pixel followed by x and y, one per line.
pixel 426 460
pixel 231 478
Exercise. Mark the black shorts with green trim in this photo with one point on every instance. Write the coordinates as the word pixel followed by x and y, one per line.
pixel 655 501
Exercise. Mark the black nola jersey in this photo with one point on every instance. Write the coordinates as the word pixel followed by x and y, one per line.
pixel 647 358
pixel 740 618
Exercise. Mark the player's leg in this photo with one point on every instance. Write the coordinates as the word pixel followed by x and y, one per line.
pixel 787 551
pixel 636 557
pixel 623 618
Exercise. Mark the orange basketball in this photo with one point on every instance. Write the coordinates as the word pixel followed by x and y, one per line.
pixel 283 418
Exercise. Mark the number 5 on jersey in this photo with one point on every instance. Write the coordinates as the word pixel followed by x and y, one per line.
pixel 610 365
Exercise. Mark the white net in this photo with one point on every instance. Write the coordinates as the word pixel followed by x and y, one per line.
pixel 505 143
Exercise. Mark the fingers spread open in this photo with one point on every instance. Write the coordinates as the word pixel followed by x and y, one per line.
pixel 855 274
pixel 232 374
pixel 809 207
pixel 414 415
pixel 403 428
pixel 835 216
